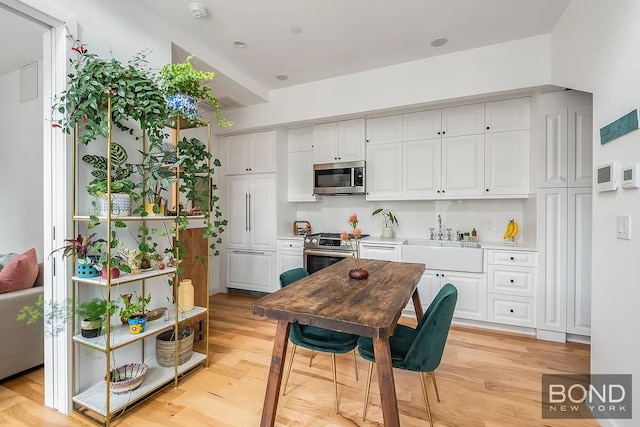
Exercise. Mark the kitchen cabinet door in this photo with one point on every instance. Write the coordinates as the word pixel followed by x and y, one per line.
pixel 238 188
pixel 507 115
pixel 262 212
pixel 380 251
pixel 472 294
pixel 464 120
pixel 249 153
pixel 235 154
pixel 384 171
pixel 428 288
pixel 300 176
pixel 580 146
pixel 351 146
pixel 325 143
pixel 422 169
pixel 384 130
pixel 507 163
pixel 463 166
pixel 422 125
pixel 300 139
pixel 251 270
pixel 262 152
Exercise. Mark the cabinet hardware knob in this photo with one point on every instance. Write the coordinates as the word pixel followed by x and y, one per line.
pixel 438 133
pixel 487 127
pixel 437 275
pixel 511 280
pixel 438 191
pixel 511 310
pixel 511 258
pixel 442 191
pixel 442 275
pixel 487 190
pixel 367 140
pixel 443 132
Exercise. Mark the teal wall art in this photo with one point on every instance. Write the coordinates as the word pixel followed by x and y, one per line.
pixel 624 125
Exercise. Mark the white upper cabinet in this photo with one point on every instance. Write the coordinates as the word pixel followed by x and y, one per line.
pixel 300 139
pixel 464 120
pixel 300 165
pixel 249 153
pixel 383 130
pixel 563 121
pixel 339 141
pixel 580 146
pixel 463 166
pixel 507 115
pixel 507 160
pixel 422 168
pixel 384 171
pixel 421 125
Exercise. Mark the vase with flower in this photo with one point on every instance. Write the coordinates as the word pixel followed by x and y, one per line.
pixel 353 238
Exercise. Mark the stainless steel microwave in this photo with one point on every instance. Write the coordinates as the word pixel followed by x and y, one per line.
pixel 339 178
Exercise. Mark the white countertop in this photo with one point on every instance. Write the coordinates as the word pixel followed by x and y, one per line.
pixel 290 237
pixel 507 246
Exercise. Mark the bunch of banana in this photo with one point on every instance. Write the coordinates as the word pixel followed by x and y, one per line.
pixel 511 231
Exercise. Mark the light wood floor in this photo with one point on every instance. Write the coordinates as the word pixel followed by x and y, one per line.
pixel 485 379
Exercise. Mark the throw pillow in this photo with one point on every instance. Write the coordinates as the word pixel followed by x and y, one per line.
pixel 20 273
pixel 6 258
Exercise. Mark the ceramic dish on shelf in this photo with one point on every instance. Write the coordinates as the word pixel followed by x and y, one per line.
pixel 156 313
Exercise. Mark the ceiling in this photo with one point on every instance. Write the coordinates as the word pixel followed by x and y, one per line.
pixel 337 37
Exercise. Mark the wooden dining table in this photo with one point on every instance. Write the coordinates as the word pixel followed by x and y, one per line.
pixel 330 299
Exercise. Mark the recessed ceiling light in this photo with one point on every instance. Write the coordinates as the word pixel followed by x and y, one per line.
pixel 296 30
pixel 282 77
pixel 198 11
pixel 438 42
pixel 239 44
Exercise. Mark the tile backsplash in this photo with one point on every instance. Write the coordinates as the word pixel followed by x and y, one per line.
pixel 489 217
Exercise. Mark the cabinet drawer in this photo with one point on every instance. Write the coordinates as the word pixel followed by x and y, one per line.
pixel 513 280
pixel 290 244
pixel 512 310
pixel 519 258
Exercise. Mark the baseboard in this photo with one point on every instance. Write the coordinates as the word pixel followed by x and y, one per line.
pixel 582 339
pixel 542 334
pixel 246 292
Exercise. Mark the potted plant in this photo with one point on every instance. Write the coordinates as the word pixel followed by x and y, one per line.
pixel 158 177
pixel 389 220
pixel 122 188
pixel 135 311
pixel 92 313
pixel 183 86
pixel 80 248
pixel 94 83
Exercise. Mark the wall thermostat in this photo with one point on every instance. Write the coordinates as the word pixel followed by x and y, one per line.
pixel 631 176
pixel 607 177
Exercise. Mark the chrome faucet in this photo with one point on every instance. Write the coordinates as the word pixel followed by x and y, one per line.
pixel 440 234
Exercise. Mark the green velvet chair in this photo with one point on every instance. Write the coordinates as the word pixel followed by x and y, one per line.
pixel 418 349
pixel 317 339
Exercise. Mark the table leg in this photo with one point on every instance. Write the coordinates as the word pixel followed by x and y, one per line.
pixel 382 355
pixel 417 305
pixel 275 374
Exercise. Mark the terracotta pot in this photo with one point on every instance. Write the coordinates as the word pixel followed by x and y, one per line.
pixel 115 273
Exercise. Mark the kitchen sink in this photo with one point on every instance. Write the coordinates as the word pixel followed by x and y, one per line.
pixel 443 255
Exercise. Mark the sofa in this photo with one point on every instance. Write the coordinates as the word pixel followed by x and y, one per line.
pixel 22 345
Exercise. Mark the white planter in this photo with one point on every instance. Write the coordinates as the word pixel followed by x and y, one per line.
pixel 387 233
pixel 120 205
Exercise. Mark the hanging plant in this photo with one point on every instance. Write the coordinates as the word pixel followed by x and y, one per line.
pixel 132 88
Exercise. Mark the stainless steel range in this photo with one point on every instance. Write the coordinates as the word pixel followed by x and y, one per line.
pixel 323 249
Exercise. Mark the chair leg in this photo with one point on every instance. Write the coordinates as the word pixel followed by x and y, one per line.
pixel 366 396
pixel 286 377
pixel 313 353
pixel 435 385
pixel 355 364
pixel 426 396
pixel 335 381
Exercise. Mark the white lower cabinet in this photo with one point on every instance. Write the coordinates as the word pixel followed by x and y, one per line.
pixel 512 287
pixel 290 255
pixel 472 292
pixel 251 270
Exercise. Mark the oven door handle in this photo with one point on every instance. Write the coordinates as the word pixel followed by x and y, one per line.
pixel 337 254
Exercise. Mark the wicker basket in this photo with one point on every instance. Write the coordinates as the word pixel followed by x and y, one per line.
pixel 165 346
pixel 127 377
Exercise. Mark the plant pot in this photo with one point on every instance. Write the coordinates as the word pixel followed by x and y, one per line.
pixel 120 205
pixel 115 273
pixel 86 269
pixel 183 105
pixel 149 209
pixel 90 328
pixel 166 346
pixel 387 233
pixel 137 323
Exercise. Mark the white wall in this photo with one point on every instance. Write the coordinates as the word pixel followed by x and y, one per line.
pixel 21 219
pixel 502 67
pixel 594 49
